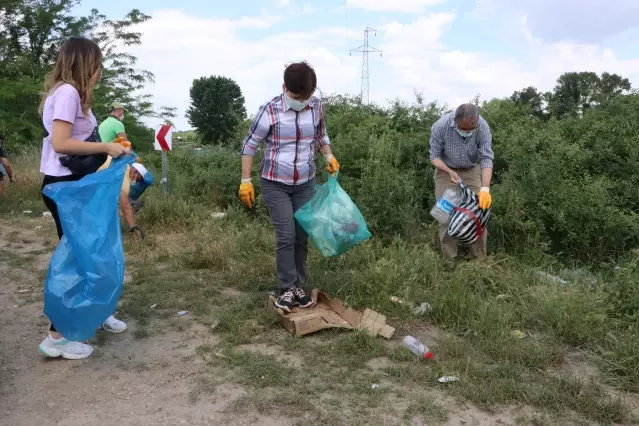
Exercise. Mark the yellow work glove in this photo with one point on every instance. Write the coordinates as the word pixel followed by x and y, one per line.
pixel 247 193
pixel 485 200
pixel 331 164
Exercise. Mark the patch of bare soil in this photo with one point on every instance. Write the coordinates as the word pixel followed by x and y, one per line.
pixel 579 365
pixel 125 382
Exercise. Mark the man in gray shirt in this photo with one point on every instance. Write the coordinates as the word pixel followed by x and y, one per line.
pixel 461 149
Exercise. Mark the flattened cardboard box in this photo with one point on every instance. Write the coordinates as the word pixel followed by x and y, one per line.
pixel 330 313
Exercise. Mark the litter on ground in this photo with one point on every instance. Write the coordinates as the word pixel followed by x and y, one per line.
pixel 330 313
pixel 519 334
pixel 422 309
pixel 553 278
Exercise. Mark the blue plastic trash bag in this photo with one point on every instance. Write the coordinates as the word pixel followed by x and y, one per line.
pixel 86 273
pixel 332 220
pixel 138 188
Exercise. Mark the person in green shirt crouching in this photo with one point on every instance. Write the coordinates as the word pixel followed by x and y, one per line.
pixel 112 128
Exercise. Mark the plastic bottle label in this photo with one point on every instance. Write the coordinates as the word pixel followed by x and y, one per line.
pixel 445 205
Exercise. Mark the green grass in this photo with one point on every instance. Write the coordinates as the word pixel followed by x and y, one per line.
pixel 221 271
pixel 496 369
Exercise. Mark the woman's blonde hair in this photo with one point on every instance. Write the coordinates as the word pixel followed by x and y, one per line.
pixel 78 62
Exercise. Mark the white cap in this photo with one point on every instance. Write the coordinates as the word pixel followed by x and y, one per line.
pixel 140 168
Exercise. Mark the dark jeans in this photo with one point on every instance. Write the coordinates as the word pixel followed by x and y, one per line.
pixel 291 241
pixel 52 206
pixel 50 203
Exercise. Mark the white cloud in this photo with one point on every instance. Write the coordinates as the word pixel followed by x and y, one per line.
pixel 293 8
pixel 420 61
pixel 577 21
pixel 392 5
pixel 424 33
pixel 179 47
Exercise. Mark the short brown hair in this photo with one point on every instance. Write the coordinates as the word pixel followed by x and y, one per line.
pixel 300 79
pixel 78 61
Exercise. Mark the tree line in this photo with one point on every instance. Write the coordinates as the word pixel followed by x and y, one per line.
pixel 565 159
pixel 31 33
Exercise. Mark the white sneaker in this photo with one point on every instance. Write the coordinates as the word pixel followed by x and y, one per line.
pixel 113 325
pixel 65 348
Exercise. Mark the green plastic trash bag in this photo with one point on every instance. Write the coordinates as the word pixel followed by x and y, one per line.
pixel 332 220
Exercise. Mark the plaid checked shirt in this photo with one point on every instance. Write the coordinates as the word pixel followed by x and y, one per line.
pixel 290 138
pixel 458 152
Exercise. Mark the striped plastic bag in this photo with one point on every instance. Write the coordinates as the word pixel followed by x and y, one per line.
pixel 467 221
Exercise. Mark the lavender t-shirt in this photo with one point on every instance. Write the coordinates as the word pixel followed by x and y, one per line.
pixel 63 104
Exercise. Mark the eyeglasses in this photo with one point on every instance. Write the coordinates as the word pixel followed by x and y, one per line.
pixel 467 130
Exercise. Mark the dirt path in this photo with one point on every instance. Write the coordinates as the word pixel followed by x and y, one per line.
pixel 127 381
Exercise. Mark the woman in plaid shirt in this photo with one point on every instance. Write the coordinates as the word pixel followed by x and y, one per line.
pixel 291 126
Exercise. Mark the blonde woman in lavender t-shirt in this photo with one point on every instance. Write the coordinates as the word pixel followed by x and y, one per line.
pixel 70 124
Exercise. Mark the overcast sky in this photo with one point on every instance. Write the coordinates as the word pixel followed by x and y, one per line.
pixel 451 50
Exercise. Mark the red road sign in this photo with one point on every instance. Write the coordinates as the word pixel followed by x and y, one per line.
pixel 161 137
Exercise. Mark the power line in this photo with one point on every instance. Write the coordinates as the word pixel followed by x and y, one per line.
pixel 365 49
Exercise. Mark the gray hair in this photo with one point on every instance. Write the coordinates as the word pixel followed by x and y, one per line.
pixel 466 111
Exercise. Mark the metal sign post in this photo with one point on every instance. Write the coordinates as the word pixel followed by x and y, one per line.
pixel 165 173
pixel 163 142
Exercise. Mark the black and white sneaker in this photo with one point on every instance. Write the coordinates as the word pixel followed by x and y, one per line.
pixel 302 299
pixel 286 301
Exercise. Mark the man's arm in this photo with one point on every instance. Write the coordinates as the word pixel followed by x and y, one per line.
pixel 323 143
pixel 486 155
pixel 437 149
pixel 119 130
pixel 322 140
pixel 257 134
pixel 326 150
pixel 127 210
pixel 486 177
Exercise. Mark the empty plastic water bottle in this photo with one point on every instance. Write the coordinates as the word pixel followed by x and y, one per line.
pixel 417 347
pixel 443 208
